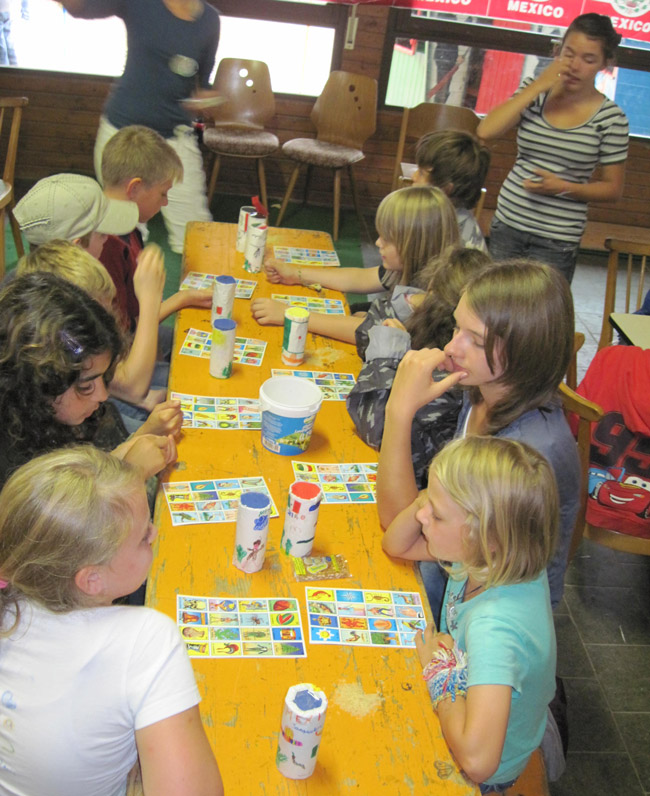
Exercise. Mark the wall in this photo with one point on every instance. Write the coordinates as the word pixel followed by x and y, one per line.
pixel 60 122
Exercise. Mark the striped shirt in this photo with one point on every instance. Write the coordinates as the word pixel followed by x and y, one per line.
pixel 571 153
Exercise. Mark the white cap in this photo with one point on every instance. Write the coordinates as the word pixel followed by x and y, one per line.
pixel 69 206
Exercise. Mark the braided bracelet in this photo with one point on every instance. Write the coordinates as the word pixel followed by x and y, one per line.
pixel 446 675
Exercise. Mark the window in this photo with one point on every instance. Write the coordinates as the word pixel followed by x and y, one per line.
pixel 479 63
pixel 311 47
pixel 49 38
pixel 46 37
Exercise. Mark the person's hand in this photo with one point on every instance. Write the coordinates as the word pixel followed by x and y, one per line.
pixel 280 273
pixel 149 275
pixel 154 397
pixel 414 387
pixel 197 298
pixel 165 419
pixel 394 323
pixel 553 75
pixel 428 641
pixel 203 102
pixel 150 453
pixel 545 183
pixel 268 312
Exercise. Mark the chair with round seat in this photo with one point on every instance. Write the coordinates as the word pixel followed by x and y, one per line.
pixel 345 116
pixel 237 126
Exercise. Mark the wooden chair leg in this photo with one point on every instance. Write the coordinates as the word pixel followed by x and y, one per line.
pixel 287 194
pixel 15 229
pixel 213 177
pixel 355 199
pixel 2 243
pixel 337 202
pixel 572 370
pixel 261 177
pixel 305 194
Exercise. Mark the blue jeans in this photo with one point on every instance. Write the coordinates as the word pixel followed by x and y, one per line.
pixel 7 51
pixel 507 242
pixel 434 580
pixel 500 788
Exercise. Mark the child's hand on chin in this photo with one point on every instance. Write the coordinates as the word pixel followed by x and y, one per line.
pixel 429 641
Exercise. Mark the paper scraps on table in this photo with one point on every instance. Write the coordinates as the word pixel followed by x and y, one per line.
pixel 195 280
pixel 320 567
pixel 233 627
pixel 341 483
pixel 248 350
pixel 295 256
pixel 208 411
pixel 364 617
pixel 323 305
pixel 196 502
pixel 334 386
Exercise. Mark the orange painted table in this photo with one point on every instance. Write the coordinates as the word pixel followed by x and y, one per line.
pixel 380 733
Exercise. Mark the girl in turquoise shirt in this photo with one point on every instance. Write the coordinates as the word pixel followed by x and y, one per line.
pixel 490 513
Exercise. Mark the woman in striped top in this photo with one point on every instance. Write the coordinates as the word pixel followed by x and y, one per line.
pixel 566 129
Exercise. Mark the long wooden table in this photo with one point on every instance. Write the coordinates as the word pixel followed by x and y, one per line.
pixel 381 733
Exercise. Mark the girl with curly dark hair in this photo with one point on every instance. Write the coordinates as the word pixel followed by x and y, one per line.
pixel 58 352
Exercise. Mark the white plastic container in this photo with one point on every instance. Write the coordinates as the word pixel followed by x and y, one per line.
pixel 289 408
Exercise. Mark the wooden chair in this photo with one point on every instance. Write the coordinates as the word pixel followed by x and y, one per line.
pixel 636 253
pixel 345 116
pixel 588 413
pixel 532 781
pixel 426 118
pixel 572 370
pixel 14 107
pixel 237 127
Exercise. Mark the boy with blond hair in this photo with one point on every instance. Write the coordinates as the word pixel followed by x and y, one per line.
pixel 138 165
pixel 74 264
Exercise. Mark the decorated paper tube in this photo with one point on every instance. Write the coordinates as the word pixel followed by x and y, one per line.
pixel 301 518
pixel 296 322
pixel 255 244
pixel 223 297
pixel 252 531
pixel 223 347
pixel 301 729
pixel 242 228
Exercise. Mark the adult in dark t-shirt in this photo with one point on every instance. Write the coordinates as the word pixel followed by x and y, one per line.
pixel 171 50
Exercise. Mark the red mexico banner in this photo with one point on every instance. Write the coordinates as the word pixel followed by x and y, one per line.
pixel 631 18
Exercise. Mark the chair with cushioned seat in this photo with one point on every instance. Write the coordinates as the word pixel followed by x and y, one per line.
pixel 345 116
pixel 236 128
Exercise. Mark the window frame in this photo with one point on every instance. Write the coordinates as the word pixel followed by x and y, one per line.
pixel 401 25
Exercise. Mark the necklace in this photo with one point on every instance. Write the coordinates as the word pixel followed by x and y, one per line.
pixel 469 593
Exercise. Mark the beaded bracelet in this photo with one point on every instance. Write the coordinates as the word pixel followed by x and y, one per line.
pixel 446 675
